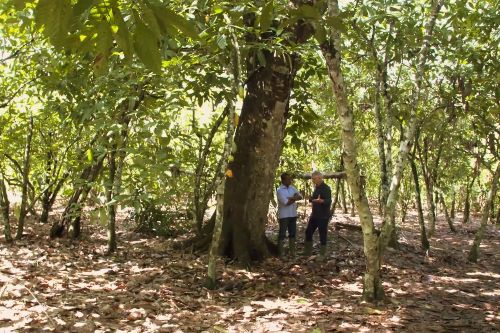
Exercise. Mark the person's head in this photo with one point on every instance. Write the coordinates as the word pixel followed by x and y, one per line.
pixel 286 179
pixel 317 178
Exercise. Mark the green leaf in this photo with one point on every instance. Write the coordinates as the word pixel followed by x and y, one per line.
pixel 336 23
pixel 261 57
pixel 103 216
pixel 266 16
pixel 308 11
pixel 90 156
pixel 320 34
pixel 173 21
pixel 146 46
pixel 104 45
pixel 81 7
pixel 55 17
pixel 123 37
pixel 221 42
pixel 150 19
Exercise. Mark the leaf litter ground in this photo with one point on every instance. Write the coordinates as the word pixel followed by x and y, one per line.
pixel 58 286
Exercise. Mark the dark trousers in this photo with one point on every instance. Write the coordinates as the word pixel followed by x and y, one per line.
pixel 321 225
pixel 289 223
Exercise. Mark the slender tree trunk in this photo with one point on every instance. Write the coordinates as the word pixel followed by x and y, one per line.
pixel 116 163
pixel 431 208
pixel 429 189
pixel 467 207
pixel 111 207
pixel 200 200
pixel 447 216
pixel 4 210
pixel 452 210
pixel 474 251
pixel 384 179
pixel 343 197
pixel 74 219
pixel 72 212
pixel 351 199
pixel 26 172
pixel 224 172
pixel 47 193
pixel 48 203
pixel 372 284
pixel 423 234
pixel 336 197
pixel 468 190
pixel 373 244
pixel 498 217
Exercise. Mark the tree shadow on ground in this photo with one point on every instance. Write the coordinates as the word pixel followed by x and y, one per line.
pixel 56 285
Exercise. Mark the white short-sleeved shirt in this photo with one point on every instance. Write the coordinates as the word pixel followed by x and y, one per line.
pixel 283 193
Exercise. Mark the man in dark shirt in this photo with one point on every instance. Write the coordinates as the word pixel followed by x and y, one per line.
pixel 321 200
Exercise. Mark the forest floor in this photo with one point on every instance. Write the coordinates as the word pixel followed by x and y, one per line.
pixel 54 285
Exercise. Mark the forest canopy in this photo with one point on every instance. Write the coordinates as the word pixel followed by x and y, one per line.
pixel 179 117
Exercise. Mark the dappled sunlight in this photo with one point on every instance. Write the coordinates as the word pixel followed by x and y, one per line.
pixel 150 287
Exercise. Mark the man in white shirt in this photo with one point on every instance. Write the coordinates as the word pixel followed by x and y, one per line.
pixel 287 213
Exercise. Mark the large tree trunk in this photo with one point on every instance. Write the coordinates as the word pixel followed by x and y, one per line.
pixel 26 172
pixel 258 140
pixel 474 251
pixel 4 210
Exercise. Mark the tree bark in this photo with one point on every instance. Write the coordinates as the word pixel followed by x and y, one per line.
pixel 452 210
pixel 474 251
pixel 343 197
pixel 72 212
pixel 200 200
pixel 4 210
pixel 447 216
pixel 373 244
pixel 223 171
pixel 335 198
pixel 116 159
pixel 26 172
pixel 372 284
pixel 259 136
pixel 423 233
pixel 468 189
pixel 73 220
pixel 47 193
pixel 111 206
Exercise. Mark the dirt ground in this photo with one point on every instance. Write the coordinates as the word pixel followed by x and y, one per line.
pixel 54 285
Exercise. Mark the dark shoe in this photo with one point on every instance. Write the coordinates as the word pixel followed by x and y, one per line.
pixel 291 247
pixel 308 247
pixel 322 253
